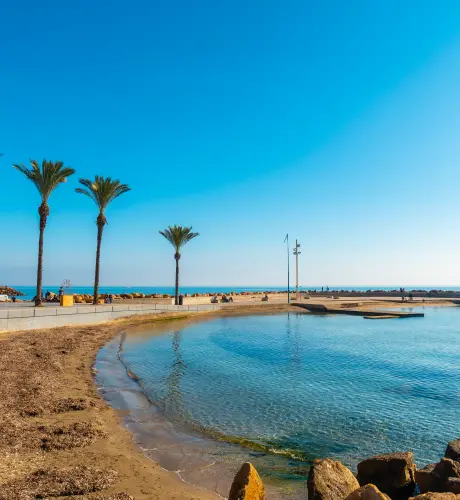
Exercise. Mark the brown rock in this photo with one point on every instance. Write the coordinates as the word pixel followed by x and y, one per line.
pixel 447 468
pixel 453 450
pixel 392 473
pixel 443 476
pixel 330 480
pixel 368 492
pixel 247 485
pixel 428 479
pixel 437 496
pixel 452 485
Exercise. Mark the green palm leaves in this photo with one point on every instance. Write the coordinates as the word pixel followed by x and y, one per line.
pixel 46 178
pixel 178 236
pixel 102 190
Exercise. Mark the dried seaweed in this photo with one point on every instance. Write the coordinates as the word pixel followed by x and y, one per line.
pixel 58 482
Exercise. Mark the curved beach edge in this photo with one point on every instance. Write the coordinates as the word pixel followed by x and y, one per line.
pixel 57 424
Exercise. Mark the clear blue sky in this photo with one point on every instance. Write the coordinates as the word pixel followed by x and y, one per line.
pixel 335 121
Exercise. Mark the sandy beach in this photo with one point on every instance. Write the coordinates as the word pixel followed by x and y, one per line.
pixel 58 437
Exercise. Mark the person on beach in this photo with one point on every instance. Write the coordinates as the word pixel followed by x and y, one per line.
pixel 61 291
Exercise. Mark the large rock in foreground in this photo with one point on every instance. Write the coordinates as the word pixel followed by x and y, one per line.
pixel 247 485
pixel 453 450
pixel 330 480
pixel 392 473
pixel 448 468
pixel 368 492
pixel 428 478
pixel 443 476
pixel 452 485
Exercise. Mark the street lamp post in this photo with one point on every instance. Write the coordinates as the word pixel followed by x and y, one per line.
pixel 297 253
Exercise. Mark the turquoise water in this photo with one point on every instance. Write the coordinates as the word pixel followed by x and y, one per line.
pixel 307 386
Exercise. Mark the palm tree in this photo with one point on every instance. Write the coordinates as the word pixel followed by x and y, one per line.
pixel 102 191
pixel 178 236
pixel 46 179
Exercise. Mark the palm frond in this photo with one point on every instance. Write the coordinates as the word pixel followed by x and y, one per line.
pixel 102 190
pixel 178 236
pixel 47 177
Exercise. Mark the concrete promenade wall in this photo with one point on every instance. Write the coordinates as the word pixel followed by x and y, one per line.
pixel 30 318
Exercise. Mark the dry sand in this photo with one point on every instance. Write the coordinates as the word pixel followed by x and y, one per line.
pixel 58 437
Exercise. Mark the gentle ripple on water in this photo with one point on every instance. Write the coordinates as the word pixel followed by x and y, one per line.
pixel 336 386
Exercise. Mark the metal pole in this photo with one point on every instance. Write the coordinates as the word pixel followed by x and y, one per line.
pixel 296 270
pixel 289 291
pixel 296 253
pixel 287 247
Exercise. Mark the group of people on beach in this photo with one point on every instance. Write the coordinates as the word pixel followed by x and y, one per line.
pixel 224 299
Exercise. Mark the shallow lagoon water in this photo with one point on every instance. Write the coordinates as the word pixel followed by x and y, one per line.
pixel 293 387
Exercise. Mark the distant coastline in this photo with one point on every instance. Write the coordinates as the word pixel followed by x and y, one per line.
pixel 29 291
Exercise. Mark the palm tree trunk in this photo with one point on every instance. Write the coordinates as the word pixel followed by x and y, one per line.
pixel 43 211
pixel 101 221
pixel 177 257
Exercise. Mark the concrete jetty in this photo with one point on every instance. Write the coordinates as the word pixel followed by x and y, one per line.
pixel 373 313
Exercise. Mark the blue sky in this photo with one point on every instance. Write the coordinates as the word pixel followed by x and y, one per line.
pixel 337 122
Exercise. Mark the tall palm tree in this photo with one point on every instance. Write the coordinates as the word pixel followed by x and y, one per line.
pixel 46 179
pixel 102 191
pixel 178 236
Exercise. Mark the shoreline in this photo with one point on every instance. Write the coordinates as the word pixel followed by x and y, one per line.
pixel 198 456
pixel 56 423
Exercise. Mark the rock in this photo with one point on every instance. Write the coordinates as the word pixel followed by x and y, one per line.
pixel 368 492
pixel 6 290
pixel 428 479
pixel 247 485
pixel 453 450
pixel 392 473
pixel 437 496
pixel 452 485
pixel 439 477
pixel 447 468
pixel 330 480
